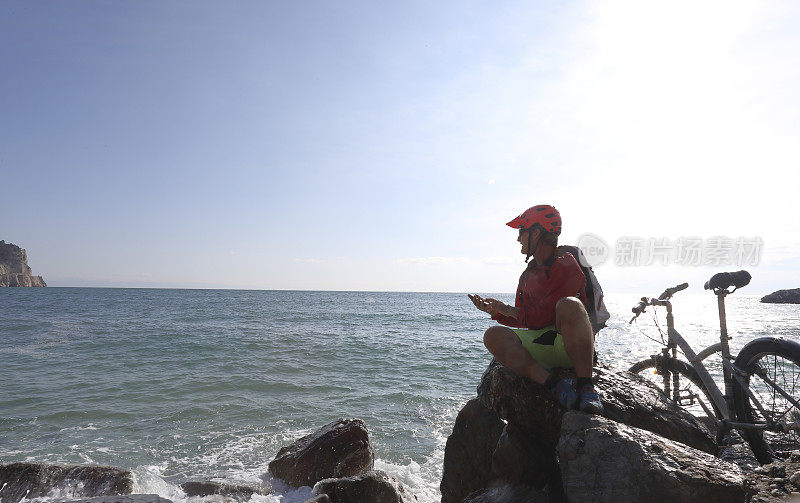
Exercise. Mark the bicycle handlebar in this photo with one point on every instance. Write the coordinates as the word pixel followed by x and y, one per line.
pixel 669 292
pixel 639 309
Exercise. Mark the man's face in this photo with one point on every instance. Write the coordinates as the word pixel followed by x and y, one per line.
pixel 523 238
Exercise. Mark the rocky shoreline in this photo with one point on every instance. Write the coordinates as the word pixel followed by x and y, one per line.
pixel 14 270
pixel 337 461
pixel 511 443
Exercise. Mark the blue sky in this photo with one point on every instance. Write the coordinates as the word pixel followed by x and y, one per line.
pixel 366 145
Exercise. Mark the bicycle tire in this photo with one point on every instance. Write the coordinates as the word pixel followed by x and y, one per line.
pixel 681 368
pixel 780 359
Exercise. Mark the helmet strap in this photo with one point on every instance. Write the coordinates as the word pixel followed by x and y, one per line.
pixel 528 256
pixel 532 252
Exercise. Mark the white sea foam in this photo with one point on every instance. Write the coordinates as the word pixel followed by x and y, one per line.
pixel 147 480
pixel 282 493
pixel 414 477
pixel 86 427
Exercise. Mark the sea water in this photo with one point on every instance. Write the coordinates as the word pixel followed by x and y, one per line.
pixel 200 384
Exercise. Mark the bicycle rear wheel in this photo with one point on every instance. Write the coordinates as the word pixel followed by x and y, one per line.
pixel 690 387
pixel 779 361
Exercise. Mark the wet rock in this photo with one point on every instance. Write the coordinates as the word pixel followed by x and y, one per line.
pixel 31 480
pixel 522 459
pixel 468 452
pixel 371 487
pixel 602 460
pixel 338 449
pixel 130 498
pixel 239 492
pixel 791 296
pixel 627 398
pixel 795 479
pixel 508 494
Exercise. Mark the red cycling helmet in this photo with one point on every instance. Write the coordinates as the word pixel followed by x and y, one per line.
pixel 542 214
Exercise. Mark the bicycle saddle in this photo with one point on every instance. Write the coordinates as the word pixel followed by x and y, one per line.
pixel 723 280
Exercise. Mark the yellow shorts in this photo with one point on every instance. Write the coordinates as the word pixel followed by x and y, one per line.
pixel 545 345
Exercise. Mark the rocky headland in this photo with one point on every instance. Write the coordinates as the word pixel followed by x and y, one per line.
pixel 791 296
pixel 14 270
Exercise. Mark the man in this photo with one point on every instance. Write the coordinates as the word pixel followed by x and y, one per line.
pixel 550 325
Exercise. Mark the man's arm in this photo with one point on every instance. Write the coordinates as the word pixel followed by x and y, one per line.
pixel 494 307
pixel 508 316
pixel 501 308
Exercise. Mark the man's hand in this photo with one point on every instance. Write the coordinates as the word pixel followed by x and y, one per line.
pixel 479 302
pixel 492 306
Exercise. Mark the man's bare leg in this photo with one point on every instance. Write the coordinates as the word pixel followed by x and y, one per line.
pixel 506 347
pixel 572 322
pixel 504 344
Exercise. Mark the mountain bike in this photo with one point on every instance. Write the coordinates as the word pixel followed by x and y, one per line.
pixel 762 383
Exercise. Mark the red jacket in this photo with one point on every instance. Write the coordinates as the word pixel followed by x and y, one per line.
pixel 541 287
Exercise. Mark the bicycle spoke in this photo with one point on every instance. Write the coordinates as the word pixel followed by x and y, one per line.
pixel 784 375
pixel 795 375
pixel 763 389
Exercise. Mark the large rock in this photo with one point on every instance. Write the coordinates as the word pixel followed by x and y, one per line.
pixel 468 452
pixel 239 492
pixel 371 487
pixel 603 460
pixel 32 480
pixel 627 398
pixel 14 270
pixel 791 296
pixel 338 449
pixel 508 493
pixel 521 458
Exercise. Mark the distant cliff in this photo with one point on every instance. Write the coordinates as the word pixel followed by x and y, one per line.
pixel 14 270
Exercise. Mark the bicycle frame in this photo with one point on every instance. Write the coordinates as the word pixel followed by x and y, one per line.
pixel 676 339
pixel 724 403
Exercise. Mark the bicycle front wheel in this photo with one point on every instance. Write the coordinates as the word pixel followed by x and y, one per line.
pixel 690 390
pixel 763 362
